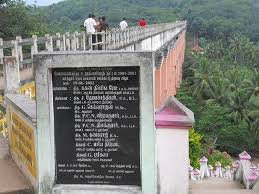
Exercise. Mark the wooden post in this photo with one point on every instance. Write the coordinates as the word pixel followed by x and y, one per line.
pixel 58 42
pixel 49 43
pixel 1 51
pixel 11 75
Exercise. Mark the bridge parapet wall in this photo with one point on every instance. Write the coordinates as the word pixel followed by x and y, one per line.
pixel 114 39
pixel 165 44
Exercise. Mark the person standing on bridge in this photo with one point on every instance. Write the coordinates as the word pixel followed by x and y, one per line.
pixel 90 26
pixel 123 24
pixel 142 23
pixel 102 27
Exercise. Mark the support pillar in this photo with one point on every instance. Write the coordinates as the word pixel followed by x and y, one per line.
pixel 58 42
pixel 11 75
pixel 49 43
pixel 1 51
pixel 173 121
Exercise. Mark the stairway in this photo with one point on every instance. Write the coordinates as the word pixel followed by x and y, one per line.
pixel 218 186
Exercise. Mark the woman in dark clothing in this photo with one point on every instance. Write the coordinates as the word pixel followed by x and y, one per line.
pixel 102 27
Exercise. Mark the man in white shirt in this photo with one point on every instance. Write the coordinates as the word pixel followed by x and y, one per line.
pixel 123 24
pixel 90 24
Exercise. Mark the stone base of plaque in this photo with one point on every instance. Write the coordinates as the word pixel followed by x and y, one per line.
pixel 94 189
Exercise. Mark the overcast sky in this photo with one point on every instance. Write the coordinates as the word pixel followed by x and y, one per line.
pixel 42 2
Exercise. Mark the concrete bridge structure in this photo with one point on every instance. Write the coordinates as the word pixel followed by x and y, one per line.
pixel 164 44
pixel 158 50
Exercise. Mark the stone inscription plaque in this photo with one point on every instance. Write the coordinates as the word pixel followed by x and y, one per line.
pixel 97 125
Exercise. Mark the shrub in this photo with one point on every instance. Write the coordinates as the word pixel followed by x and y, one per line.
pixel 195 148
pixel 223 157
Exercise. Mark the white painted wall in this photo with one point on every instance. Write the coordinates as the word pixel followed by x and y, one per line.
pixel 173 160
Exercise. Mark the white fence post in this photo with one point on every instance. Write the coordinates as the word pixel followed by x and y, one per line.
pixel 68 44
pixel 49 43
pixel 19 48
pixel 84 40
pixel 73 42
pixel 1 51
pixel 15 51
pixel 58 42
pixel 34 47
pixel 77 40
pixel 11 75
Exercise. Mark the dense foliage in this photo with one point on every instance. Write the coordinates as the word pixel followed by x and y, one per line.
pixel 222 157
pixel 222 87
pixel 213 19
pixel 17 19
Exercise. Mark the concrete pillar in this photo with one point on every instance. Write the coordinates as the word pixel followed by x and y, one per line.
pixel 73 42
pixel 58 42
pixel 228 174
pixel 19 48
pixel 68 44
pixel 84 40
pixel 15 51
pixel 11 75
pixel 104 38
pixel 49 43
pixel 204 170
pixel 34 47
pixel 64 42
pixel 113 39
pixel 218 170
pixel 90 41
pixel 1 51
pixel 77 40
pixel 245 164
pixel 211 171
pixel 235 166
pixel 173 121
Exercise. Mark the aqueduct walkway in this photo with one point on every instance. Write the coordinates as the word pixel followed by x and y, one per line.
pixel 165 44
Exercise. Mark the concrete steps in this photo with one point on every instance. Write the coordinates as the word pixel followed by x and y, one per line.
pixel 218 186
pixel 12 180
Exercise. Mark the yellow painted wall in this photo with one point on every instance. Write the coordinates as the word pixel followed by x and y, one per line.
pixel 22 142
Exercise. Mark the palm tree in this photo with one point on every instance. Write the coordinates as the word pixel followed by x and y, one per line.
pixel 202 78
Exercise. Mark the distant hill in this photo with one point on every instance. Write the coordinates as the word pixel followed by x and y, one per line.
pixel 211 18
pixel 70 14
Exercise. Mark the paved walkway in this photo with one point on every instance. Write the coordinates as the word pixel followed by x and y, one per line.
pixel 218 186
pixel 12 180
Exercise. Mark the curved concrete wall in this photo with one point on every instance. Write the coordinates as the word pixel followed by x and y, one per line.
pixel 169 76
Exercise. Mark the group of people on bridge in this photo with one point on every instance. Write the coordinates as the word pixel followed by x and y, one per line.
pixel 93 27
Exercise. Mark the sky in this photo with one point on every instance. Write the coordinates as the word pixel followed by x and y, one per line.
pixel 42 2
